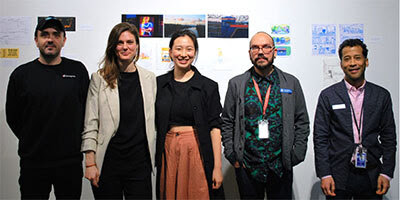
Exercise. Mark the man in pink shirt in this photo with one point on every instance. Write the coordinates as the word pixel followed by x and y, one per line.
pixel 354 132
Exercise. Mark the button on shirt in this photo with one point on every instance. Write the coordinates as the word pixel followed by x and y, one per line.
pixel 262 156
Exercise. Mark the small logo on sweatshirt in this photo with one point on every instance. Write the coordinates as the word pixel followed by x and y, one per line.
pixel 68 76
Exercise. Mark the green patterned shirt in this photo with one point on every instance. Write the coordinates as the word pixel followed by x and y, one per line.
pixel 263 156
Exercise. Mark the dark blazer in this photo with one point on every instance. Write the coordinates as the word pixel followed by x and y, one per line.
pixel 333 133
pixel 205 101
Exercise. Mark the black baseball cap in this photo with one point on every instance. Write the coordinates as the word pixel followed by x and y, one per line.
pixel 50 22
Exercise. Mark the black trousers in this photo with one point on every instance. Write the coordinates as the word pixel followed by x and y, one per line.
pixel 35 183
pixel 275 187
pixel 120 179
pixel 358 186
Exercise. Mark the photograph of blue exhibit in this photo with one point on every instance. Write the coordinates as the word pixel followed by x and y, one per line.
pixel 234 26
pixel 195 23
pixel 148 25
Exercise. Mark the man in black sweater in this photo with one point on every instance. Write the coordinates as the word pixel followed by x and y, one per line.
pixel 45 109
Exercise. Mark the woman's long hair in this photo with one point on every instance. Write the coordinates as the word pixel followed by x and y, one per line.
pixel 110 64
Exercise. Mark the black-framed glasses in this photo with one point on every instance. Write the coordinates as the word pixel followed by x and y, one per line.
pixel 265 48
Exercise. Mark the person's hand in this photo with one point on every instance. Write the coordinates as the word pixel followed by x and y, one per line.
pixel 383 185
pixel 92 174
pixel 328 186
pixel 217 178
pixel 237 165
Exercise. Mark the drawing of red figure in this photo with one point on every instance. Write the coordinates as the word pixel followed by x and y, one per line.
pixel 146 27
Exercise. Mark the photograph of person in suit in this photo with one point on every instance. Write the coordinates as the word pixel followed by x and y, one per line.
pixel 354 132
pixel 119 131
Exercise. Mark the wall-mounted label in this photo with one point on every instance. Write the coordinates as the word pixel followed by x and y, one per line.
pixel 9 53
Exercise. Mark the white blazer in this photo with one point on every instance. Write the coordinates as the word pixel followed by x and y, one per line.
pixel 102 114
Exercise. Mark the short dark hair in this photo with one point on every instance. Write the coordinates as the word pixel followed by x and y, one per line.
pixel 353 43
pixel 184 32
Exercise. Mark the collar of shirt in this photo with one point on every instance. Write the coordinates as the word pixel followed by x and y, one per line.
pixel 258 78
pixel 353 91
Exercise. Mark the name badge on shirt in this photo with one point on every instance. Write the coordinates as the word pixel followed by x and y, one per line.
pixel 338 106
pixel 263 132
pixel 284 90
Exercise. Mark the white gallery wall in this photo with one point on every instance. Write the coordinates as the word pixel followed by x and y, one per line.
pixel 219 59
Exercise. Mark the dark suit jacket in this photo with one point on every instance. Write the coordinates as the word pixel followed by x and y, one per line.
pixel 333 133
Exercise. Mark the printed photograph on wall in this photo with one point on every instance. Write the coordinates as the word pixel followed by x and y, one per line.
pixel 351 31
pixel 148 25
pixel 195 23
pixel 68 22
pixel 228 26
pixel 323 39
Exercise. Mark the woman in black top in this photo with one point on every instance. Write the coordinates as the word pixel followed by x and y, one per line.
pixel 188 127
pixel 119 133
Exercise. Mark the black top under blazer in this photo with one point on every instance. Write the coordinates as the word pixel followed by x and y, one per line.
pixel 205 103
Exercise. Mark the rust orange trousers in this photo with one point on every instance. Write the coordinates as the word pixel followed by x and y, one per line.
pixel 182 174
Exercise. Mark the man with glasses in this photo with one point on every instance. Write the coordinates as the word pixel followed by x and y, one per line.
pixel 265 125
pixel 45 108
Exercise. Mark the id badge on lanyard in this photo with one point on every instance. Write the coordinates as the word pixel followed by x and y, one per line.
pixel 360 157
pixel 263 125
pixel 263 131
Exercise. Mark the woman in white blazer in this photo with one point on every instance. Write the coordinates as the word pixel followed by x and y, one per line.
pixel 119 132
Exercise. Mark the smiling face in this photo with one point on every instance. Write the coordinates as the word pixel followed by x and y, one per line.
pixel 50 42
pixel 183 52
pixel 126 48
pixel 353 64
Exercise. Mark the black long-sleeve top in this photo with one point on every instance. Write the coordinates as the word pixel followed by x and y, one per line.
pixel 45 109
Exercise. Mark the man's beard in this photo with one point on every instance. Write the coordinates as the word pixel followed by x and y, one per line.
pixel 263 67
pixel 49 56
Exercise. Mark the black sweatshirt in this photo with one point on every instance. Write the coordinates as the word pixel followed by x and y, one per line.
pixel 45 109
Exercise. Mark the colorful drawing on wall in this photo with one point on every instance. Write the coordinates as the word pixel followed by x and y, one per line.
pixel 323 39
pixel 165 55
pixel 353 31
pixel 281 40
pixel 195 23
pixel 228 26
pixel 280 29
pixel 148 25
pixel 68 22
pixel 283 50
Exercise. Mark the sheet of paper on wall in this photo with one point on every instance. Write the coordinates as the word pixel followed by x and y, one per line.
pixel 323 39
pixel 148 56
pixel 332 71
pixel 9 53
pixel 352 31
pixel 16 30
